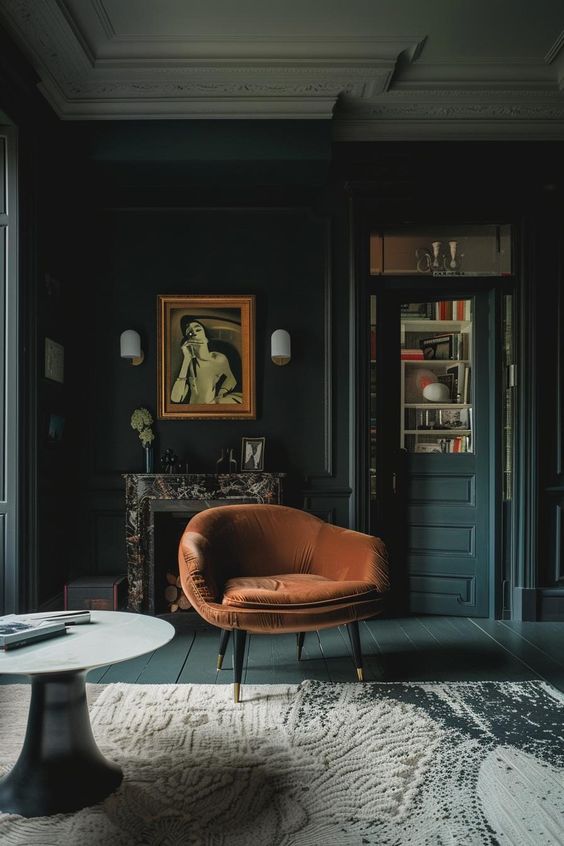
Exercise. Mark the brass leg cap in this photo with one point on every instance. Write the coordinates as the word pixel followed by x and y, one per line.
pixel 236 691
pixel 219 662
pixel 360 673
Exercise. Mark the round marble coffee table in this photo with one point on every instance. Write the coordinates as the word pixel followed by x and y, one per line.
pixel 60 768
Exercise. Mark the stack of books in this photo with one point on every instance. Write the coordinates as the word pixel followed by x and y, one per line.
pixel 23 629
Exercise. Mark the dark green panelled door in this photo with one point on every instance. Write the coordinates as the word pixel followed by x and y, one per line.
pixel 434 447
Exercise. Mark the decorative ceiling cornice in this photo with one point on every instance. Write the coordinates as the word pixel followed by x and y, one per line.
pixel 228 77
pixel 372 87
pixel 454 115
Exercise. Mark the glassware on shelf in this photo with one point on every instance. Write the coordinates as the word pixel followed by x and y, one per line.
pixel 436 263
pixel 453 263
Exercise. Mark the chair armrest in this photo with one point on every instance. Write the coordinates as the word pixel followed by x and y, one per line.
pixel 196 569
pixel 346 555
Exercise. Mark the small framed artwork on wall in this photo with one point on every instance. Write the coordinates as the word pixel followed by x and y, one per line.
pixel 206 357
pixel 252 454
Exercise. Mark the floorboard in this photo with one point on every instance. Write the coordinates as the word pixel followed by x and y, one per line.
pixel 201 666
pixel 166 664
pixel 423 648
pixel 534 658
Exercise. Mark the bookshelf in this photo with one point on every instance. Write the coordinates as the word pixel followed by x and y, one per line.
pixel 437 414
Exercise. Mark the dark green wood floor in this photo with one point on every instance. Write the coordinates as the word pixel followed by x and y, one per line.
pixel 407 649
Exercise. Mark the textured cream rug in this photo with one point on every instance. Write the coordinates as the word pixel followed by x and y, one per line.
pixel 315 765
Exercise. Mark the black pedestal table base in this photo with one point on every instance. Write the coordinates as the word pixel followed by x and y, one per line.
pixel 60 768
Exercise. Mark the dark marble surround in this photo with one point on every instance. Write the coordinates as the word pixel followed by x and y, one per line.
pixel 147 493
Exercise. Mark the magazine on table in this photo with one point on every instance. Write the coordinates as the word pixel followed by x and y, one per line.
pixel 69 618
pixel 15 631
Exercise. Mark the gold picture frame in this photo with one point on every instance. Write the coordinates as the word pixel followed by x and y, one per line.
pixel 206 357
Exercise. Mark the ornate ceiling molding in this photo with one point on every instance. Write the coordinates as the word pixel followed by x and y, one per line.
pixel 373 87
pixel 228 77
pixel 452 114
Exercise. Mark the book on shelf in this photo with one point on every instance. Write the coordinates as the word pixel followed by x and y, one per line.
pixel 417 311
pixel 436 447
pixel 466 386
pixel 457 372
pixel 438 347
pixel 448 380
pixel 411 354
pixel 448 345
pixel 16 632
pixel 454 418
pixel 452 310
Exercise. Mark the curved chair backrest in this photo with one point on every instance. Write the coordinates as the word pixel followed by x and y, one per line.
pixel 258 540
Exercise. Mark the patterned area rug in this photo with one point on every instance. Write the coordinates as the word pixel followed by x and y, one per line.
pixel 315 765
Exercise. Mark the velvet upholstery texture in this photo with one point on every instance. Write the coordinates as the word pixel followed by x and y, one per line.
pixel 272 569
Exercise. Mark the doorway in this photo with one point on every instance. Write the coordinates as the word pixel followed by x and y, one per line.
pixel 439 443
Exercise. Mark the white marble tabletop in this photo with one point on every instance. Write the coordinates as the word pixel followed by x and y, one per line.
pixel 110 637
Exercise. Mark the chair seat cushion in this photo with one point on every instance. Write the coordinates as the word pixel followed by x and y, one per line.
pixel 293 590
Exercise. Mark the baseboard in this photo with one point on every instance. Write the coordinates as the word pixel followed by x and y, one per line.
pixel 525 604
pixel 551 604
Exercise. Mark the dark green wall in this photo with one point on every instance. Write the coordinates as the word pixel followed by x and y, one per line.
pixel 265 227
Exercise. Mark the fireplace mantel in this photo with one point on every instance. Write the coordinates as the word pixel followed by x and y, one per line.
pixel 147 493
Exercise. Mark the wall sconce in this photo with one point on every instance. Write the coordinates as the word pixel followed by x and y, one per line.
pixel 280 347
pixel 130 346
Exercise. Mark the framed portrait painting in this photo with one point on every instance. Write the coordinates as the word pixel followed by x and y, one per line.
pixel 206 357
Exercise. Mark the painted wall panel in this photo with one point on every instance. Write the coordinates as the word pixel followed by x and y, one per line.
pixel 443 540
pixel 444 489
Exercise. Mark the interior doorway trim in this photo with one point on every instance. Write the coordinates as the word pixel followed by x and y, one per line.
pixel 9 373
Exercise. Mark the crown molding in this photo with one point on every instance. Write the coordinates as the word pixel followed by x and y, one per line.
pixel 228 77
pixel 373 87
pixel 448 115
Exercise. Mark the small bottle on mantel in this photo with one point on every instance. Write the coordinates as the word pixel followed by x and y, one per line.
pixel 222 463
pixel 232 461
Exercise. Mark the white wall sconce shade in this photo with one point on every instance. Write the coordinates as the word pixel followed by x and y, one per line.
pixel 280 347
pixel 130 346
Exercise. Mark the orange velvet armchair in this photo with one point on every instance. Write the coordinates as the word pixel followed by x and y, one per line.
pixel 271 569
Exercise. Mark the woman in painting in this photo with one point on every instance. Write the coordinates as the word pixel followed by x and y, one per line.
pixel 205 375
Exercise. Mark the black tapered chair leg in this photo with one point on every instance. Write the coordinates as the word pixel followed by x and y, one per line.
pixel 223 641
pixel 354 636
pixel 300 637
pixel 239 638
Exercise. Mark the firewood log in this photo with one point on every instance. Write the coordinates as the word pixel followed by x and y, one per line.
pixel 171 593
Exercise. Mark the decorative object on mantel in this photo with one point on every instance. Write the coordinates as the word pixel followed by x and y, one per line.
pixel 174 595
pixel 222 463
pixel 170 463
pixel 252 454
pixel 226 463
pixel 188 493
pixel 141 421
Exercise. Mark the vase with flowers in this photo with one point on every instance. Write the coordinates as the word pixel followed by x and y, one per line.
pixel 142 421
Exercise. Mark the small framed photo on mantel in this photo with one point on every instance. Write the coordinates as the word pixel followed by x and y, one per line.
pixel 252 455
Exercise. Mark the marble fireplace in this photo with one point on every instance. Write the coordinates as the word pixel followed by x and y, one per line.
pixel 149 494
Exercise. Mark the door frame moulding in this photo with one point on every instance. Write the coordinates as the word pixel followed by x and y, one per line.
pixel 9 449
pixel 364 217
